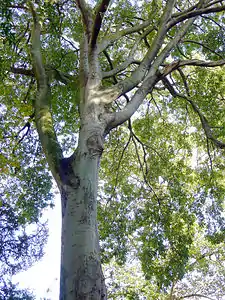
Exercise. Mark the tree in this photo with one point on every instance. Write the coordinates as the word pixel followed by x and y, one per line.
pixel 133 58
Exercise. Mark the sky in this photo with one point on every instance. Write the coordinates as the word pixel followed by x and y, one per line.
pixel 43 277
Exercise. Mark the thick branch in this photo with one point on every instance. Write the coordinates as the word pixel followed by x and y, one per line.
pixel 100 11
pixel 193 7
pixel 195 13
pixel 86 16
pixel 192 62
pixel 152 76
pixel 137 99
pixel 130 59
pixel 43 117
pixel 205 125
pixel 22 71
pixel 51 72
pixel 140 73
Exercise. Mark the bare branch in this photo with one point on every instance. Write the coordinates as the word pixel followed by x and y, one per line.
pixel 43 117
pixel 138 75
pixel 27 127
pixel 210 3
pixel 100 11
pixel 129 61
pixel 69 42
pixel 119 165
pixel 150 79
pixel 186 11
pixel 18 7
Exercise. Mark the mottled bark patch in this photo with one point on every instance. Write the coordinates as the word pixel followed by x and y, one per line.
pixel 88 283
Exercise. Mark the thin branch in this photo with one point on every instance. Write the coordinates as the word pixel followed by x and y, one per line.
pixel 115 81
pixel 182 53
pixel 213 21
pixel 193 7
pixel 209 155
pixel 99 15
pixel 213 2
pixel 204 46
pixel 130 59
pixel 144 172
pixel 18 7
pixel 116 36
pixel 196 295
pixel 32 81
pixel 69 42
pixel 110 64
pixel 205 125
pixel 119 164
pixel 184 81
pixel 26 126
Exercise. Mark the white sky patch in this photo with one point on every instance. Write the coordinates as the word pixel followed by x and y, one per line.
pixel 43 276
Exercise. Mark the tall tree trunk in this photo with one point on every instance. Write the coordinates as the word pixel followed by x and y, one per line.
pixel 81 273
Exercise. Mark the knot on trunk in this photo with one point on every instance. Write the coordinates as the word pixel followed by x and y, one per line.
pixel 95 144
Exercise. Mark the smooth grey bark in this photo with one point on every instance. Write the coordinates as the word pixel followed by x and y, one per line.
pixel 81 273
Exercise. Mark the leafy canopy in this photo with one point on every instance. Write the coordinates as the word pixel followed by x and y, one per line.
pixel 166 190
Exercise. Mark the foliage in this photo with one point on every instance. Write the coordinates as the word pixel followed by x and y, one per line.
pixel 163 204
pixel 10 291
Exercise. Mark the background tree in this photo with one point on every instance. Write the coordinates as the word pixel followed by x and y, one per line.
pixel 155 61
